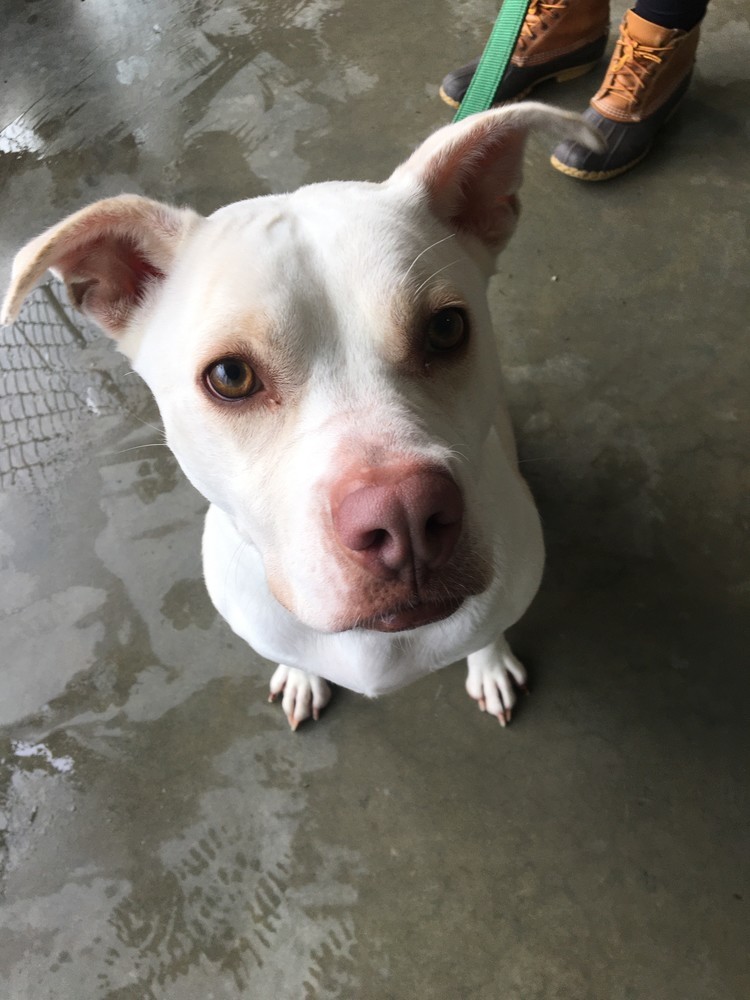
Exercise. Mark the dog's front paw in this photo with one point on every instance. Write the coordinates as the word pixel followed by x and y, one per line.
pixel 494 674
pixel 305 695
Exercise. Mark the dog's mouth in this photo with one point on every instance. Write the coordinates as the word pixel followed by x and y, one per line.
pixel 411 616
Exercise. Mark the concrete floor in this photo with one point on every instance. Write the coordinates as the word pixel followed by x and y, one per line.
pixel 162 833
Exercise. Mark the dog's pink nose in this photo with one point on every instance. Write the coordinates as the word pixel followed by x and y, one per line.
pixel 402 519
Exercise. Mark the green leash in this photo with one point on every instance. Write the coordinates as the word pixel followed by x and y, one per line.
pixel 495 59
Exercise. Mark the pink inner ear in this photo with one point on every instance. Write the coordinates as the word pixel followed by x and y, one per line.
pixel 108 254
pixel 107 277
pixel 493 222
pixel 473 182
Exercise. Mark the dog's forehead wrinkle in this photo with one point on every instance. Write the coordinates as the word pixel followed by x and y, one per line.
pixel 333 260
pixel 260 232
pixel 255 260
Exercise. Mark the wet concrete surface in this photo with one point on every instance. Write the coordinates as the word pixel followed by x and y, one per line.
pixel 163 834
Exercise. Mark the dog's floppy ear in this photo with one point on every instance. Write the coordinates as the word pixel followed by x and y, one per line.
pixel 108 254
pixel 471 171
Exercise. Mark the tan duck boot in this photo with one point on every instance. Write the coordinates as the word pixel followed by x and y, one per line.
pixel 647 78
pixel 559 39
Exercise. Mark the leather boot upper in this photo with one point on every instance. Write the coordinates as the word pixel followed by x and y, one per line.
pixel 553 28
pixel 648 65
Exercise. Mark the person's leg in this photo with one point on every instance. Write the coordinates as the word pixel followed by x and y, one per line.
pixel 647 77
pixel 674 14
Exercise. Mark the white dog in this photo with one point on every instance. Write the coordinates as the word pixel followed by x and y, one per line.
pixel 326 371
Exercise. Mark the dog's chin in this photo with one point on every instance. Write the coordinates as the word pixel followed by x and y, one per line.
pixel 388 613
pixel 408 617
pixel 402 618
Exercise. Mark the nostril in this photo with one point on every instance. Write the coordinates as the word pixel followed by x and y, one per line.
pixel 393 524
pixel 375 539
pixel 436 524
pixel 450 511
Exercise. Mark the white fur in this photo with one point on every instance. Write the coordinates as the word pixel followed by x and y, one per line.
pixel 324 289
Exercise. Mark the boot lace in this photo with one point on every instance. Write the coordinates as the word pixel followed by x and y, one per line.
pixel 537 19
pixel 632 65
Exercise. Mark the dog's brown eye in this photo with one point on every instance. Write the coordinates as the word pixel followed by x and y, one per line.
pixel 447 330
pixel 231 378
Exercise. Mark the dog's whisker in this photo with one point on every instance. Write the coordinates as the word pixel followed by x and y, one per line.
pixel 159 430
pixel 137 447
pixel 234 562
pixel 434 274
pixel 426 250
pixel 455 452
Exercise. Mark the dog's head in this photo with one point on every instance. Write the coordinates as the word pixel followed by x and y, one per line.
pixel 325 368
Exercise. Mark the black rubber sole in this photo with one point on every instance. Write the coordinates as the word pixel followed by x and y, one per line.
pixel 519 81
pixel 627 143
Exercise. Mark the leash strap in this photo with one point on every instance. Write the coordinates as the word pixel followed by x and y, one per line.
pixel 495 59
